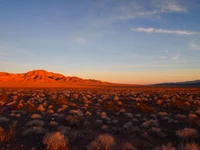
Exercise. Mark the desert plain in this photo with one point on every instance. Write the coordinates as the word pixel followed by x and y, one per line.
pixel 78 114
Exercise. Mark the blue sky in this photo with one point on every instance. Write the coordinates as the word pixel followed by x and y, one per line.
pixel 124 41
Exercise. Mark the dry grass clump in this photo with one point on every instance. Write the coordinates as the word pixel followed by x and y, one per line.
pixel 110 105
pixel 3 119
pixel 55 141
pixel 129 115
pixel 36 116
pixel 103 115
pixel 74 120
pixel 29 107
pixel 127 146
pixel 74 135
pixel 3 98
pixel 33 130
pixel 35 123
pixel 149 123
pixel 76 112
pixel 102 142
pixel 189 146
pixel 6 135
pixel 41 108
pixel 166 147
pixel 181 117
pixel 186 133
pixel 198 111
pixel 61 101
pixel 192 116
pixel 180 105
pixel 145 108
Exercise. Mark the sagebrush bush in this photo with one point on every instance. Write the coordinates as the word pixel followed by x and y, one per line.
pixel 73 120
pixel 186 133
pixel 29 107
pixel 128 146
pixel 166 147
pixel 6 135
pixel 3 119
pixel 36 116
pixel 3 97
pixel 102 142
pixel 33 131
pixel 55 141
pixel 189 146
pixel 35 123
pixel 145 108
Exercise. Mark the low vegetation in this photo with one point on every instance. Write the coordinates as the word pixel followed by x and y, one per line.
pixel 100 119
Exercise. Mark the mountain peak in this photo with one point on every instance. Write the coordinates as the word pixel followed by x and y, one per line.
pixel 39 70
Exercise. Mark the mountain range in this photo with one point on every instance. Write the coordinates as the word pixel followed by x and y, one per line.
pixel 194 83
pixel 43 76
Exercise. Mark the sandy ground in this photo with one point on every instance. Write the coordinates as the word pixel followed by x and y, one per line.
pixel 60 85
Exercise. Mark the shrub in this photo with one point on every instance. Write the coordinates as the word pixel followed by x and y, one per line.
pixel 165 147
pixel 33 130
pixel 61 101
pixel 189 146
pixel 55 141
pixel 41 108
pixel 74 120
pixel 179 104
pixel 127 146
pixel 102 142
pixel 74 135
pixel 28 107
pixel 35 123
pixel 110 105
pixel 145 108
pixel 7 135
pixel 3 98
pixel 36 116
pixel 186 133
pixel 3 119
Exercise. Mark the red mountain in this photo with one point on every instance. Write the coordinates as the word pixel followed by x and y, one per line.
pixel 43 76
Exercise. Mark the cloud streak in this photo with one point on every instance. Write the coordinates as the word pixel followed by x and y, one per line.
pixel 165 31
pixel 176 57
pixel 168 6
pixel 194 46
pixel 125 10
pixel 80 40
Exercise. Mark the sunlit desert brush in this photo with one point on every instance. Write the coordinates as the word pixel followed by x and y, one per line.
pixel 100 119
pixel 6 135
pixel 55 141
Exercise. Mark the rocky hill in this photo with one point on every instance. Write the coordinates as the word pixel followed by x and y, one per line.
pixel 43 76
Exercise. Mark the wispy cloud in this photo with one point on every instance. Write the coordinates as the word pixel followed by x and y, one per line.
pixel 79 40
pixel 165 31
pixel 194 46
pixel 163 57
pixel 156 7
pixel 169 6
pixel 125 10
pixel 177 56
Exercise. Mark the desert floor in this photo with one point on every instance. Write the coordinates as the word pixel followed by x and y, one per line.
pixel 93 117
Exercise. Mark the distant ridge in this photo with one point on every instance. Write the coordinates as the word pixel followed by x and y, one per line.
pixel 43 76
pixel 194 83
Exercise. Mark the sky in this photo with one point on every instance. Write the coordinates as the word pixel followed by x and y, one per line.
pixel 120 41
